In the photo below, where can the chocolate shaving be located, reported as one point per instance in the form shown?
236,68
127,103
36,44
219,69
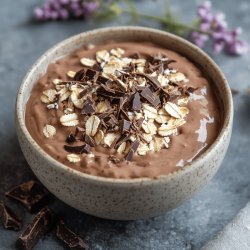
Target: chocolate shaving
88,107
151,97
125,126
85,148
41,224
9,219
69,238
31,195
88,139
136,102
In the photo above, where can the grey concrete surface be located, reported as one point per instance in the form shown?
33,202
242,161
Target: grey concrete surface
188,227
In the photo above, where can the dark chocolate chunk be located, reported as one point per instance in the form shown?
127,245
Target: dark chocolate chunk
129,155
41,224
79,76
88,107
122,139
150,96
153,81
31,194
108,92
111,121
71,138
90,73
9,219
125,126
69,238
124,114
85,148
89,140
136,102
132,150
102,80
135,145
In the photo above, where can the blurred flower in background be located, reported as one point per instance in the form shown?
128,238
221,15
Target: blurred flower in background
210,26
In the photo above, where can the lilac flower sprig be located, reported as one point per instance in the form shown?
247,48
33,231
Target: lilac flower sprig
216,28
209,26
65,9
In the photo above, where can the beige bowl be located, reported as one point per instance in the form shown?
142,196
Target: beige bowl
120,198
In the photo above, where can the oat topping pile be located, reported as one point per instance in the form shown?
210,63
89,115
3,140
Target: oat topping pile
132,104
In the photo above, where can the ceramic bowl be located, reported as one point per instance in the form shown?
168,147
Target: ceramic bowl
123,199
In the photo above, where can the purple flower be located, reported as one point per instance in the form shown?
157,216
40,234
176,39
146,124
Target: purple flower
214,26
64,9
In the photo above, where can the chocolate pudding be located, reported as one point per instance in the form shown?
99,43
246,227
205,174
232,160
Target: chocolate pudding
123,110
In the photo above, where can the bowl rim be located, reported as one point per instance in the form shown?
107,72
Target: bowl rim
228,117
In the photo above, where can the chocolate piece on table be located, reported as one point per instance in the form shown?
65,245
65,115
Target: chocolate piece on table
32,195
136,102
125,126
88,107
85,148
150,96
41,224
69,238
9,219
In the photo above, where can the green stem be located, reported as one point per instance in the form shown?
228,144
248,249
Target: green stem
166,22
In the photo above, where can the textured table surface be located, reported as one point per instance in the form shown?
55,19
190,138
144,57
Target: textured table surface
188,227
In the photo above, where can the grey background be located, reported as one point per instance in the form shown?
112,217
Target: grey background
22,41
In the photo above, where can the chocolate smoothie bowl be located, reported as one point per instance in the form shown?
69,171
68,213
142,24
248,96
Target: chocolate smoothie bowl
124,123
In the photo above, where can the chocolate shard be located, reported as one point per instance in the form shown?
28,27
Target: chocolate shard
79,76
102,80
69,238
89,140
85,148
41,224
31,195
90,73
132,150
88,107
125,126
70,139
108,92
9,219
111,121
136,102
150,96
153,81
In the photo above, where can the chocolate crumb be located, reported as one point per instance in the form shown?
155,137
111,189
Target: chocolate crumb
9,219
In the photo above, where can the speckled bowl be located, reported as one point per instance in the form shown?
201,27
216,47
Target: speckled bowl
122,199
